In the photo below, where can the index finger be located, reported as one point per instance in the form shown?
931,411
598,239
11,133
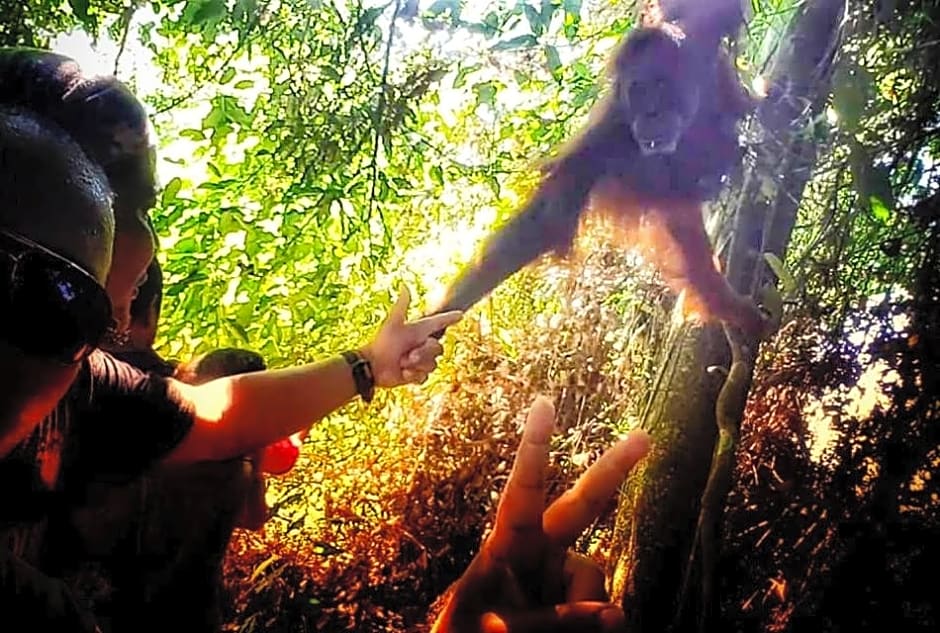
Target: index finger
519,515
426,326
577,508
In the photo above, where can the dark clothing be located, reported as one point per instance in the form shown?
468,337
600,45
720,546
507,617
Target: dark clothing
112,425
147,556
147,360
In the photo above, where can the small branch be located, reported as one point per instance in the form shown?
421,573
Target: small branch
380,110
126,18
220,70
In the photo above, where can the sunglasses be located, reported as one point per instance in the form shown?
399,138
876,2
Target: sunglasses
49,306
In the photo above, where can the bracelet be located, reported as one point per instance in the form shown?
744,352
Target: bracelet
362,375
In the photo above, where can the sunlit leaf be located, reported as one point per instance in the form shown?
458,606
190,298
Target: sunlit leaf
192,134
227,76
437,174
872,182
780,270
879,209
170,191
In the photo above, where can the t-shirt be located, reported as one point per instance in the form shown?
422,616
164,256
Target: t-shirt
146,360
112,425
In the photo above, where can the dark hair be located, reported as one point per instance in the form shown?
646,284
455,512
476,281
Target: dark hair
100,113
228,361
149,295
40,165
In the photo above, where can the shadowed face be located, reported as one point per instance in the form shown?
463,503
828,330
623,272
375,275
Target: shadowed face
133,252
56,232
117,133
658,90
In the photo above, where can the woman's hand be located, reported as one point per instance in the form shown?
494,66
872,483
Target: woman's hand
406,352
525,579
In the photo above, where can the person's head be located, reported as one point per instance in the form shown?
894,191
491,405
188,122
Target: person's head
56,235
112,127
145,309
228,361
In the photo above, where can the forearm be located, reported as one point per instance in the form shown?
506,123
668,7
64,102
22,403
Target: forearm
239,414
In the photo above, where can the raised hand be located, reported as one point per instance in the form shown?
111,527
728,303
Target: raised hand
525,579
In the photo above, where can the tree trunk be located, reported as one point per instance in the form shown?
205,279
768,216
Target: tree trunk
662,527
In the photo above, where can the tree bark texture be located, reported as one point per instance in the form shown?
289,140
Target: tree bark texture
659,529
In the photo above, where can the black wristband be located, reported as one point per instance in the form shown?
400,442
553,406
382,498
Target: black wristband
362,375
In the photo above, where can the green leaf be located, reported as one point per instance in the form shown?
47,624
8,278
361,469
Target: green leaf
239,330
214,119
872,183
522,41
198,12
548,12
879,209
491,21
186,245
439,7
462,73
486,93
80,9
244,84
535,20
780,270
193,134
170,191
368,17
553,60
227,75
572,7
437,174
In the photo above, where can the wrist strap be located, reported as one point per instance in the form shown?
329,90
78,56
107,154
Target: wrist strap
362,375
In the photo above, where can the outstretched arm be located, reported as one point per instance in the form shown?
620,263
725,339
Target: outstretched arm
235,415
547,223
683,222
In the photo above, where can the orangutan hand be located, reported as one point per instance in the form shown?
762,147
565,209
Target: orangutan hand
525,579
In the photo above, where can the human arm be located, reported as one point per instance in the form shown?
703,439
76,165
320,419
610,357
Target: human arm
235,415
128,420
525,579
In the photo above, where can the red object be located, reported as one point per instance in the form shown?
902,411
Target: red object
280,457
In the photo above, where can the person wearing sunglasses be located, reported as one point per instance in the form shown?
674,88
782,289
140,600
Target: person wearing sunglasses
70,414
111,125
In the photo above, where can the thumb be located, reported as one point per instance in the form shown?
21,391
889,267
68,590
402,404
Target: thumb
400,310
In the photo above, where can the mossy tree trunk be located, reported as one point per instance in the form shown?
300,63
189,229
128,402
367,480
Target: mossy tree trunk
661,520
